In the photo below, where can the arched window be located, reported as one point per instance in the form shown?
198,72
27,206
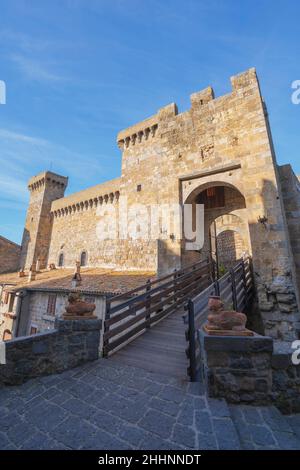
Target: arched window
61,260
83,258
6,335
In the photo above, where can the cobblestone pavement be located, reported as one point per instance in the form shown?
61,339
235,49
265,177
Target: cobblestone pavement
104,405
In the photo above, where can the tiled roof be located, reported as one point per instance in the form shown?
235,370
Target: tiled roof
94,280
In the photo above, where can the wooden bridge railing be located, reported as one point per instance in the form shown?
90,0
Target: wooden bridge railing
129,315
235,289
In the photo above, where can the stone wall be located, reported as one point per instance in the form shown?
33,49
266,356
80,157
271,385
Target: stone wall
237,368
72,343
286,379
291,199
9,256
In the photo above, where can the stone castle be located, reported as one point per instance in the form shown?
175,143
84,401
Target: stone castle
218,153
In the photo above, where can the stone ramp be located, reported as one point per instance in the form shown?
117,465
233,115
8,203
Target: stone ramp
106,405
160,350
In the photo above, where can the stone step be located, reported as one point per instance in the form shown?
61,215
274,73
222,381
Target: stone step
222,424
263,428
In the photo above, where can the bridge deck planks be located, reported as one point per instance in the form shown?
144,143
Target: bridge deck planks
161,349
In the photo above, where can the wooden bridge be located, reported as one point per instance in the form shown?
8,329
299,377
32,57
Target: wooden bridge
146,326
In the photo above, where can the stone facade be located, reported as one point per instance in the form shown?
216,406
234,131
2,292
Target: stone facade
286,379
9,255
176,158
237,368
41,319
73,342
44,189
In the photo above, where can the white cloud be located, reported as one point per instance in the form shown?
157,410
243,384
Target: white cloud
36,70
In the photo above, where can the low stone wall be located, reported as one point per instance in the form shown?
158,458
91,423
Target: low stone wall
70,344
237,368
286,379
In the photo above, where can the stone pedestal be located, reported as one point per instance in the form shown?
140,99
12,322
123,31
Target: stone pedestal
237,368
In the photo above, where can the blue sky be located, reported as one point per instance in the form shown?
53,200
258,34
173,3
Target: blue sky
78,71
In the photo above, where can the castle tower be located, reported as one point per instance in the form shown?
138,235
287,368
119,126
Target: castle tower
44,189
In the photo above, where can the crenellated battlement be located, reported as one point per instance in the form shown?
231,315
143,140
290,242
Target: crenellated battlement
139,133
106,193
145,131
47,178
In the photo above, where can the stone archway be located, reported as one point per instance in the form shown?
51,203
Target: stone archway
225,207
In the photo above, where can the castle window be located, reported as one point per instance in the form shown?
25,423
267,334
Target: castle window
61,260
51,304
11,302
6,297
33,330
7,335
139,188
83,258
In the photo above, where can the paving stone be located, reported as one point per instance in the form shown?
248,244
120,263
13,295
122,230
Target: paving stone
133,435
243,431
167,407
226,434
142,399
172,394
186,415
103,385
65,384
19,433
80,408
9,420
294,423
195,388
158,423
261,435
46,416
106,421
206,441
3,441
50,393
199,403
274,419
51,380
40,441
74,432
251,415
34,392
98,400
103,441
155,443
286,440
184,435
153,388
203,422
98,407
60,398
218,408
132,413
81,390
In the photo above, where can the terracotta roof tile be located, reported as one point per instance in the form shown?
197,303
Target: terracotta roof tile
95,280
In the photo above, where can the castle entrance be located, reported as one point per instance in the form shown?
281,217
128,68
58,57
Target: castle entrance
225,225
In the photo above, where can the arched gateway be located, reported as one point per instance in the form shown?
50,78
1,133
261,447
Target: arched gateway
226,227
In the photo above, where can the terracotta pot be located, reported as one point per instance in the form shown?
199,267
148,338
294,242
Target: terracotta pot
80,308
215,303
